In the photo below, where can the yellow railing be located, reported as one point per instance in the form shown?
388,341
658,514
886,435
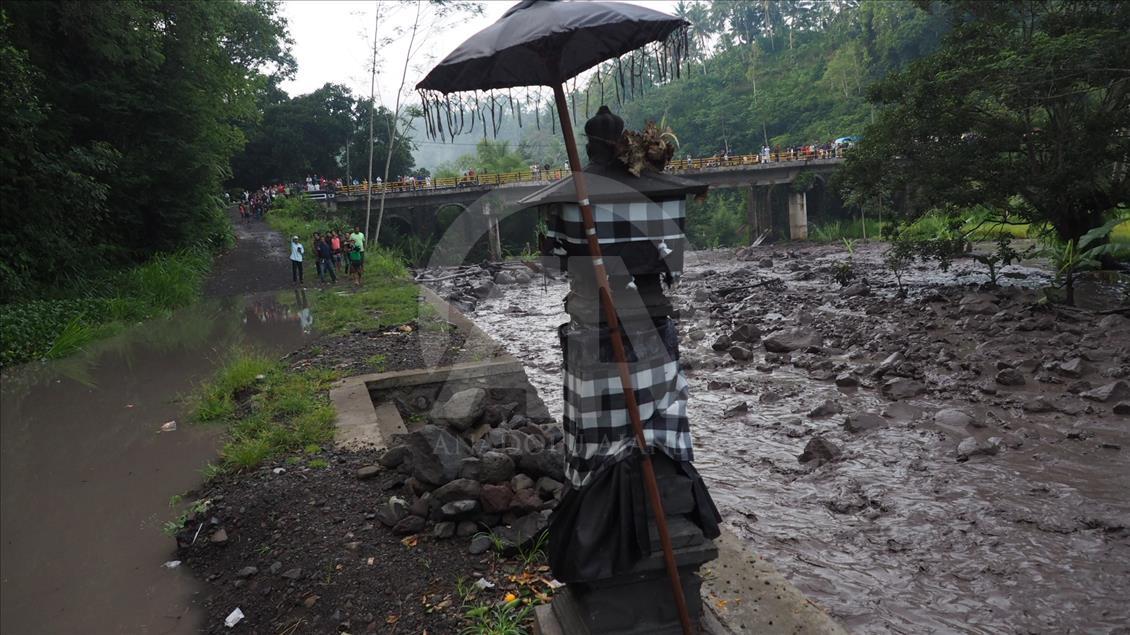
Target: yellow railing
680,165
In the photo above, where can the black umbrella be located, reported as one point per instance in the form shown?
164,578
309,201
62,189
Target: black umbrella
545,43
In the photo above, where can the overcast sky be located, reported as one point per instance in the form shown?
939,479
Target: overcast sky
332,42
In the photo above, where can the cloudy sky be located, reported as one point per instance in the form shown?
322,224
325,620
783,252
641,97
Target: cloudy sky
333,39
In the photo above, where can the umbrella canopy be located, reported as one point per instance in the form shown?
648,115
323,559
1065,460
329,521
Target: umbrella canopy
545,42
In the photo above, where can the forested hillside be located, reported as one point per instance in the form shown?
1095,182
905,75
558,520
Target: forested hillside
117,125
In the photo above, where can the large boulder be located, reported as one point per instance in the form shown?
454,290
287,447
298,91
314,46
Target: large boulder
462,409
819,451
793,339
897,389
459,489
495,467
437,455
1114,391
863,421
496,499
549,463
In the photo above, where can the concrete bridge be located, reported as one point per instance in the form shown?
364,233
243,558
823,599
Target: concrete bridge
417,206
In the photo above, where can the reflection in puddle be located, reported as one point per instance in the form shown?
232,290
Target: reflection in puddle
87,475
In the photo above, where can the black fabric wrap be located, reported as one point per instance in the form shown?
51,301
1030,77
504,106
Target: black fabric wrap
601,530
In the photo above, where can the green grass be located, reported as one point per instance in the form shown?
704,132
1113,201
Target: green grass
284,413
1121,233
107,302
835,231
376,362
387,296
507,618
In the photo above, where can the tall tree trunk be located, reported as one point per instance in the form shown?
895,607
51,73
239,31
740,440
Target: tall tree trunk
394,122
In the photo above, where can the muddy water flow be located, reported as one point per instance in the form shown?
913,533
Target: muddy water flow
88,475
897,536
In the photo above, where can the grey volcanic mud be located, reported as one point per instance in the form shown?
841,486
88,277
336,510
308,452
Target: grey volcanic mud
1011,515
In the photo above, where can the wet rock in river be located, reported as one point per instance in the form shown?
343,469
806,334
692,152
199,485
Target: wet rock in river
970,446
736,409
723,343
1073,367
746,333
855,289
1114,391
1122,408
486,290
863,421
819,451
1010,377
953,417
897,389
740,353
846,380
793,339
1038,405
503,277
828,408
462,409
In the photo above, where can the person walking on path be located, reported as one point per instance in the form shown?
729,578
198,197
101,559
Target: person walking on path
325,260
296,252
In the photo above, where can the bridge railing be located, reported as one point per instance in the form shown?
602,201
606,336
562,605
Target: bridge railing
546,176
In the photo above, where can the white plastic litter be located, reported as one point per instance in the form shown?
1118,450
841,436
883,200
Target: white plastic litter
279,470
483,583
168,426
233,618
171,564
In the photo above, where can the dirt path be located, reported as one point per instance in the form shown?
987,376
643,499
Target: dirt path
257,263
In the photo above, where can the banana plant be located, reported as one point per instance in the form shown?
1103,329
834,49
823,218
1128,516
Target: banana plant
1085,254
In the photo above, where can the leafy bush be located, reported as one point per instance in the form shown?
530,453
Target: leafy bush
100,305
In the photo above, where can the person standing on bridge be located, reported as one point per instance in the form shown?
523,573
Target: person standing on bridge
296,252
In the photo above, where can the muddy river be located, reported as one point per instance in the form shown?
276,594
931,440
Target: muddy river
898,536
88,473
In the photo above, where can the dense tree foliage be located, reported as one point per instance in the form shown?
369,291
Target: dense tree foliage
119,120
1025,109
325,132
780,73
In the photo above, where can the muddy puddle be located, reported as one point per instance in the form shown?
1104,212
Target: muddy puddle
87,473
898,535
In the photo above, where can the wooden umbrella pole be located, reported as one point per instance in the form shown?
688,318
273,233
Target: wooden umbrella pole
650,482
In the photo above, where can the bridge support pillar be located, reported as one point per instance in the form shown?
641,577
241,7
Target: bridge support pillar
798,215
759,218
494,240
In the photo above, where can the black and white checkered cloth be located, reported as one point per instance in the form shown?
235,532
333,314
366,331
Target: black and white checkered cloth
598,432
622,222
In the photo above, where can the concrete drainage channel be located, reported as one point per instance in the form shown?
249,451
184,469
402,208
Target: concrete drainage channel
741,593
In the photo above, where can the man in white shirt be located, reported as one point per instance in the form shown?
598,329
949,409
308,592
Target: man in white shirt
296,252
